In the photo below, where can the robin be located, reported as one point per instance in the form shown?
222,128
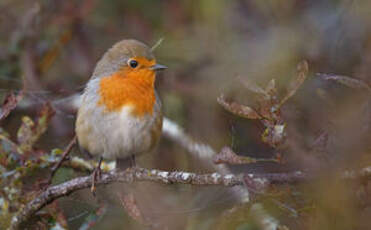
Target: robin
120,115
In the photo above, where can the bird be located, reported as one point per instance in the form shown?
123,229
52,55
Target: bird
120,115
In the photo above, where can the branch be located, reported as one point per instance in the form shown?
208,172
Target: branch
128,176
257,182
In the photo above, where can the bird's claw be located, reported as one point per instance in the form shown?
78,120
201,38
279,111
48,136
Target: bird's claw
97,173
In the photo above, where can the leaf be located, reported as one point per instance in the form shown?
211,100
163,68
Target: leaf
24,134
347,81
302,72
227,155
253,87
30,131
238,109
270,89
9,104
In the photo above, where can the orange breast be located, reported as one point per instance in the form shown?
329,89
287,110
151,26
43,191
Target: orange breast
124,88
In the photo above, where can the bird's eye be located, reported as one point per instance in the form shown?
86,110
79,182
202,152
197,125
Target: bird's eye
133,63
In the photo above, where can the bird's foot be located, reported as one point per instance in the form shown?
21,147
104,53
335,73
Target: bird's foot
97,173
123,164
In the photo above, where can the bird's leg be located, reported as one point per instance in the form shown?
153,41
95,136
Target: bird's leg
96,175
133,163
125,163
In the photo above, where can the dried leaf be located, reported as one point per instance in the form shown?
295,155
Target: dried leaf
347,81
9,104
302,72
227,155
253,87
30,131
238,109
24,134
270,89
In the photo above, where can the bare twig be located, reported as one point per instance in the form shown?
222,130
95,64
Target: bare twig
63,158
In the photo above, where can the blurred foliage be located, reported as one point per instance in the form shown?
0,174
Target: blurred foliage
48,50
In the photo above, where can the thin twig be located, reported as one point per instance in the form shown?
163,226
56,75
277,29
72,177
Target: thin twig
63,158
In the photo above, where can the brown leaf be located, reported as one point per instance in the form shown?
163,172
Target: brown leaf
10,102
238,109
302,72
253,87
270,89
347,81
227,155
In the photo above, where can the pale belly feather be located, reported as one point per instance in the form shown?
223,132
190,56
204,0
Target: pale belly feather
115,134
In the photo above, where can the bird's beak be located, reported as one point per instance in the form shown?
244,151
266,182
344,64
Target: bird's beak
158,67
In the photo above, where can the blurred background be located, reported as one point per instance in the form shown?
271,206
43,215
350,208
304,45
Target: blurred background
50,48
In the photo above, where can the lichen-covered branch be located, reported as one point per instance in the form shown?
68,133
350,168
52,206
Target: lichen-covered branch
256,181
128,176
